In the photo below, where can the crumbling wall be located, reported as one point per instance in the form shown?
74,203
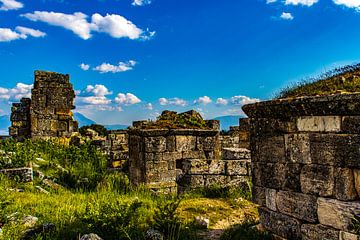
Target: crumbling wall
119,150
238,136
20,119
306,166
24,174
48,113
167,160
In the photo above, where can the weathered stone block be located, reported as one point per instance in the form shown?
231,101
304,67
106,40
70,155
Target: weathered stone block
298,205
280,224
170,143
351,124
357,180
345,184
185,143
235,153
292,177
268,175
195,166
216,180
196,154
348,236
236,167
318,232
155,144
270,197
318,180
319,124
337,214
167,156
259,196
191,181
269,149
216,166
298,148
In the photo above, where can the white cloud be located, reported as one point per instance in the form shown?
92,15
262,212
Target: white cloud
14,94
94,95
10,5
7,35
348,3
270,1
203,100
121,67
141,2
222,101
127,99
24,32
84,66
287,16
242,100
308,3
149,106
172,101
112,24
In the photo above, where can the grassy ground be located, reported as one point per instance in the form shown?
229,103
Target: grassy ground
340,80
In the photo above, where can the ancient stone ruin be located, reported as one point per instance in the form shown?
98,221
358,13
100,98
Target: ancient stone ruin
48,113
306,166
169,160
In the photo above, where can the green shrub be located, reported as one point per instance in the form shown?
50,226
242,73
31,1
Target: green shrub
100,129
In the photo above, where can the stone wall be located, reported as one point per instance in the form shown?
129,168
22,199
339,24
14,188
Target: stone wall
119,148
19,174
48,113
306,166
170,160
238,136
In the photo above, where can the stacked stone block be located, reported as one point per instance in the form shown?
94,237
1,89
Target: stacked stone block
20,118
48,113
171,160
238,136
119,150
306,166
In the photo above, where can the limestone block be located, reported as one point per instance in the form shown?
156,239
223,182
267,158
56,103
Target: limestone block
191,181
195,166
196,154
269,149
345,184
155,144
271,126
207,143
216,167
270,175
280,224
236,167
270,198
319,124
168,156
216,180
298,148
154,157
292,177
351,124
357,180
318,232
259,196
337,214
235,153
170,143
348,236
185,143
318,180
298,205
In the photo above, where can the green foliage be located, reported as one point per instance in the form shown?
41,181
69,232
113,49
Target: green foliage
100,129
345,79
245,231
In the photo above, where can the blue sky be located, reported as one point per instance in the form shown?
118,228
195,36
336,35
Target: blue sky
131,59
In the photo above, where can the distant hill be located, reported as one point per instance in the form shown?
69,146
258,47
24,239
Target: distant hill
227,121
82,120
4,124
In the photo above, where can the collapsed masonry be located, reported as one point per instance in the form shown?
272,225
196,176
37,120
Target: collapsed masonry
168,160
306,166
48,113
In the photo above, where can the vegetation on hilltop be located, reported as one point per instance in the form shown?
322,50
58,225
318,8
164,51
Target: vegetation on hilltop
340,80
173,120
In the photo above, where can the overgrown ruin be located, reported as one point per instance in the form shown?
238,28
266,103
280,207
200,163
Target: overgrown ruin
49,111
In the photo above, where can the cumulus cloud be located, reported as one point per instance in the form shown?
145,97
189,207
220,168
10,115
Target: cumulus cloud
112,24
84,66
127,99
172,101
308,3
242,100
270,1
94,95
286,16
7,35
348,3
149,106
222,101
141,2
121,67
203,100
15,94
10,5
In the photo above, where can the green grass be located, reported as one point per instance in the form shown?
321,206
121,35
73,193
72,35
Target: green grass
339,80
